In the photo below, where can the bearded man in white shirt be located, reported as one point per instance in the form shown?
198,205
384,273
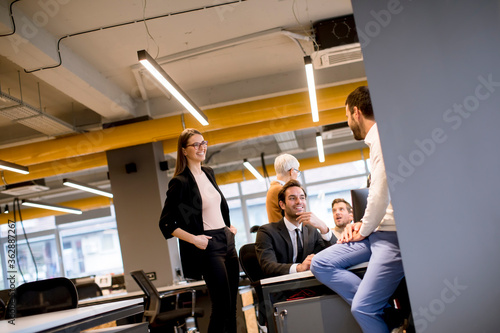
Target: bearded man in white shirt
374,239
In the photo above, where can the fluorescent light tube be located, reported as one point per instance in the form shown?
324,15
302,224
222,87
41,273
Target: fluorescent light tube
319,144
252,170
43,205
312,88
85,187
155,69
14,167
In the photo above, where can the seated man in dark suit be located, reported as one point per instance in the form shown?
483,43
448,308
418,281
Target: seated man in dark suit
280,248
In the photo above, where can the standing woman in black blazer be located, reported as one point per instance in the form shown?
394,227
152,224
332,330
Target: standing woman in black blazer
196,212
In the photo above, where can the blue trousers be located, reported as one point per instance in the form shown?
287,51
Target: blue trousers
368,296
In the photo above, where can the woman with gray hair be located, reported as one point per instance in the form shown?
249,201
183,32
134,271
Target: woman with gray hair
286,167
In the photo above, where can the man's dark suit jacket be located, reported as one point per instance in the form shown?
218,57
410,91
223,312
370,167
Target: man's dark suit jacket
274,247
183,209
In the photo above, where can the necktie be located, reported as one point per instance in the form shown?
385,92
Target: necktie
300,248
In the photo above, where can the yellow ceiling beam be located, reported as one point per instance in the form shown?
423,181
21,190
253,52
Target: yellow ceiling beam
90,203
59,167
227,135
264,128
305,164
169,127
96,202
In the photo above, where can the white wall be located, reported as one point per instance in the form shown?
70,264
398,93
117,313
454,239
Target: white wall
433,68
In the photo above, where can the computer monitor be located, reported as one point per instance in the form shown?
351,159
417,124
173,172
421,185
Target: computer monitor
358,200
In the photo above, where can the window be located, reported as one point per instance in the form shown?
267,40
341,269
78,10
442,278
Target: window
334,172
237,220
72,250
253,186
44,252
320,196
36,259
91,247
230,190
31,226
257,214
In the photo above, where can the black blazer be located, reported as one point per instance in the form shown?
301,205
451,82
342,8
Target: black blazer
275,250
183,209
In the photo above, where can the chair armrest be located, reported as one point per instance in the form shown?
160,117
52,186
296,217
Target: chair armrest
177,293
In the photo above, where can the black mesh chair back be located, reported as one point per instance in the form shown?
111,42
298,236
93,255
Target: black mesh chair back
358,198
43,296
88,290
152,304
250,263
152,301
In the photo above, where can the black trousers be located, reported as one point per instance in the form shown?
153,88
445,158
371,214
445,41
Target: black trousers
220,270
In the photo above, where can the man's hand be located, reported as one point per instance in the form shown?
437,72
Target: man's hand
233,229
306,264
351,233
311,219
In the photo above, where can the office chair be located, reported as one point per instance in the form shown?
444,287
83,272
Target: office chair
250,264
175,318
43,296
88,290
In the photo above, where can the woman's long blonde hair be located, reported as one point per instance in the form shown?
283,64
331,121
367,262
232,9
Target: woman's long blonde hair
181,163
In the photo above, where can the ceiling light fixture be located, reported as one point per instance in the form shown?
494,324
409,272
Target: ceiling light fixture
14,167
155,69
254,171
312,88
87,188
321,150
48,206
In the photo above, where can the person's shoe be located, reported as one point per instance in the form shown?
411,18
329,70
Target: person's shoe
393,318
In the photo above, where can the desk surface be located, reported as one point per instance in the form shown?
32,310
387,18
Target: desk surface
301,275
79,318
136,294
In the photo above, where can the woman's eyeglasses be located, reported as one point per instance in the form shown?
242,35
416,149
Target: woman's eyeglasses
197,145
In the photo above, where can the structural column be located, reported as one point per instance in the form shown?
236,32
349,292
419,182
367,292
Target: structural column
139,188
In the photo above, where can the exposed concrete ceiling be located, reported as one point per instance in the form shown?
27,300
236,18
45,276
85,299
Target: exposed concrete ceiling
224,55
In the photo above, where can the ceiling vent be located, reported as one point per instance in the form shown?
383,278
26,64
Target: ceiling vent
336,56
337,42
336,131
287,141
24,188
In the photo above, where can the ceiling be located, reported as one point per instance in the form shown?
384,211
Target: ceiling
239,61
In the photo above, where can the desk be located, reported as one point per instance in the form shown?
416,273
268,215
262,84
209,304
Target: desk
74,320
277,284
136,294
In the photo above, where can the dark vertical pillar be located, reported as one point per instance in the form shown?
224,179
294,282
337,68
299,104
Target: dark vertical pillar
139,188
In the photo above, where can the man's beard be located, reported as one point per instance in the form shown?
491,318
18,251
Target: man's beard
356,131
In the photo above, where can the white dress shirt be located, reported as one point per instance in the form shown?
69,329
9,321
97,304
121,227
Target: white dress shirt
379,214
293,236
